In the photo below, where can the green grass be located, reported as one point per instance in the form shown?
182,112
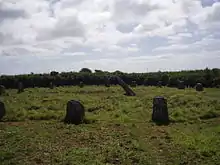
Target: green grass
120,131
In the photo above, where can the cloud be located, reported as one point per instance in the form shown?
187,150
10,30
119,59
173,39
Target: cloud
8,12
68,26
128,35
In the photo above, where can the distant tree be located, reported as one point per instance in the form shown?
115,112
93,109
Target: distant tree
54,73
208,77
216,82
151,80
98,71
165,79
87,70
216,72
117,72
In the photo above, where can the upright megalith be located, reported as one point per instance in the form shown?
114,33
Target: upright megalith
199,87
160,110
159,84
133,84
129,91
81,85
75,112
2,110
107,82
20,87
2,90
107,85
51,85
181,85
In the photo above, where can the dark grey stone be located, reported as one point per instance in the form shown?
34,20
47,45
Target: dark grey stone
2,110
81,85
75,112
159,84
20,87
199,87
2,89
129,91
160,110
51,85
107,82
181,85
133,84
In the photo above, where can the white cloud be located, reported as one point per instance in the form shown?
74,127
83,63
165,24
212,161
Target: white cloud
118,34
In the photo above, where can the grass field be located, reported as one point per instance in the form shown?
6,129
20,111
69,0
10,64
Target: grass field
119,130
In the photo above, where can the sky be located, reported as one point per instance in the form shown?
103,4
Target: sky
128,35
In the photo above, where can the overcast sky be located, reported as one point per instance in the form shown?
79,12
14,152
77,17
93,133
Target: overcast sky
127,35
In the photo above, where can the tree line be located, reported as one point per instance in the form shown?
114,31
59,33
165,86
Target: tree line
208,77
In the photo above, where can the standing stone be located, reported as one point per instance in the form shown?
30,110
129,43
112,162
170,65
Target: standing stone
160,110
51,85
107,82
75,113
159,84
2,110
2,90
133,84
181,85
129,91
199,87
20,87
81,85
107,85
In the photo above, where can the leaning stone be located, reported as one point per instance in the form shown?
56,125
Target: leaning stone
181,85
199,87
20,87
129,91
160,110
75,112
2,110
2,89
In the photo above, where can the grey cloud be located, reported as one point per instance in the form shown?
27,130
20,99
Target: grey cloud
65,27
135,7
10,13
15,51
7,39
206,3
128,9
214,16
126,28
70,3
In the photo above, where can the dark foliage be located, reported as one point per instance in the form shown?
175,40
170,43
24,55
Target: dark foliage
207,77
